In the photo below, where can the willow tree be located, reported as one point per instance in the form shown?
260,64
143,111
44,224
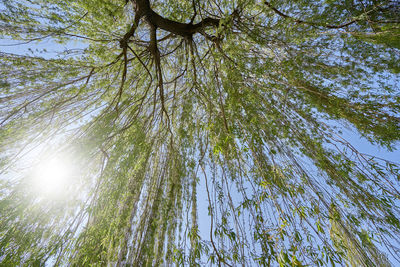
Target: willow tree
162,105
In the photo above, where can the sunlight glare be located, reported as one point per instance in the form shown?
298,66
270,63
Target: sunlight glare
52,176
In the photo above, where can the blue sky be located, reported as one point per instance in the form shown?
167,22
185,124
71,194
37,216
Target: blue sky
360,143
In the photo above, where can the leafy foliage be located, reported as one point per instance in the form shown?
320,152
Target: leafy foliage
164,103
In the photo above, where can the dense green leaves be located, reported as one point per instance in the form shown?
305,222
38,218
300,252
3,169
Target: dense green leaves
201,132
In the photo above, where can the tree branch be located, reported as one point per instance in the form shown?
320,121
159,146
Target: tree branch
123,43
309,22
183,29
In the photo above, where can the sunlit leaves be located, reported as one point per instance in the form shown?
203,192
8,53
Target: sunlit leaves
248,118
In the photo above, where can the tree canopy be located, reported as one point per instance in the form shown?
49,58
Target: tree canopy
160,104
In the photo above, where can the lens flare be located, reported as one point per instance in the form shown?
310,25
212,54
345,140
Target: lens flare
51,176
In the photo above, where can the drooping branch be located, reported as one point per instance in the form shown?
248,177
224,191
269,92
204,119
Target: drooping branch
155,21
329,26
124,41
156,54
309,22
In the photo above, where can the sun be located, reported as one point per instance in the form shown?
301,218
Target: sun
52,176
